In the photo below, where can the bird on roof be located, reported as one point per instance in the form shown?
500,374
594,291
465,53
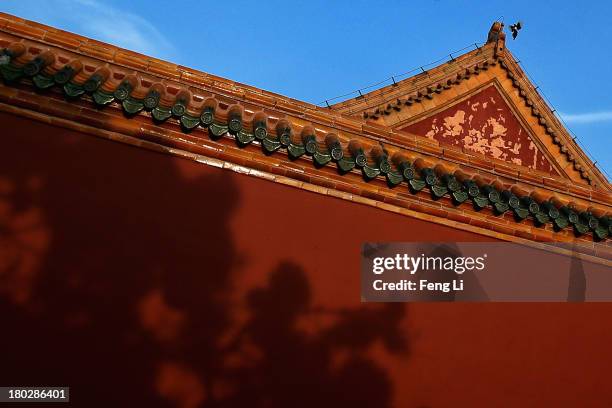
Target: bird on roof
515,28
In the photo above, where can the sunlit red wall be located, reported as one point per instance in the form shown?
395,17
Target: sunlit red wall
140,279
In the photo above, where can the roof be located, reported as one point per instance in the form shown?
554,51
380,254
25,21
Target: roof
407,99
64,79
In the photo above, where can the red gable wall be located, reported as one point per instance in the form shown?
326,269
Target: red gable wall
138,278
485,124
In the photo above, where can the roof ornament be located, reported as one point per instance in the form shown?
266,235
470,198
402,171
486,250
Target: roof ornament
497,36
496,33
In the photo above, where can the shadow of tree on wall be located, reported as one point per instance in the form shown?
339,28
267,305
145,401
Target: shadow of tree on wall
298,370
116,279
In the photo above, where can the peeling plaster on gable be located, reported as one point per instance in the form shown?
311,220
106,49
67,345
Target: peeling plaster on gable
454,124
489,128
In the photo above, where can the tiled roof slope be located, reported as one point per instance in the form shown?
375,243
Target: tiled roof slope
429,90
170,108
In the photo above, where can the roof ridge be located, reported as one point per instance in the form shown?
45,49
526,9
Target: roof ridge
551,124
112,54
420,81
494,45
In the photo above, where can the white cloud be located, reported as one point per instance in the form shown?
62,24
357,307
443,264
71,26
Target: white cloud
97,20
589,117
121,28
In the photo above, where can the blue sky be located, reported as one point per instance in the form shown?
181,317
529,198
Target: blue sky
316,50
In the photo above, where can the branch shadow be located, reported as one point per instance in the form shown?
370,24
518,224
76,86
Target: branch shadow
116,279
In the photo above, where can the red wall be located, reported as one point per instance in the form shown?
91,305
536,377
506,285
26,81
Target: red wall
140,279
